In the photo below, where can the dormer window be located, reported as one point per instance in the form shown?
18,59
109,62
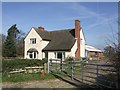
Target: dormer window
32,40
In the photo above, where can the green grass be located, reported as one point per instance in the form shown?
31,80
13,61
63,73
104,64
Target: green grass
94,61
25,77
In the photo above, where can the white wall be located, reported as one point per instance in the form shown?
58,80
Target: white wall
72,52
82,44
40,44
51,55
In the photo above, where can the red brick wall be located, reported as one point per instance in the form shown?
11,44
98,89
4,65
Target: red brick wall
97,54
77,36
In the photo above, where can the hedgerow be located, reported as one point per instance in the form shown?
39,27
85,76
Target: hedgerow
8,65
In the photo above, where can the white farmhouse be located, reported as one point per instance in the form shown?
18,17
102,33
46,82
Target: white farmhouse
58,44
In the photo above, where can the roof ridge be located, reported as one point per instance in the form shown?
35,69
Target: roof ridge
62,30
55,30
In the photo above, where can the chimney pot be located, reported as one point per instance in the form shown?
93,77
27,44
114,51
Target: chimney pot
41,28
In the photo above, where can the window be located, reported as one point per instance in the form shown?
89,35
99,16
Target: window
64,55
55,55
32,40
32,55
60,55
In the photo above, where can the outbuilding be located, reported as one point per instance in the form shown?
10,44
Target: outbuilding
93,53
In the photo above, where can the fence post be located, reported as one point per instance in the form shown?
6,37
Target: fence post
118,79
48,65
72,70
61,65
82,71
45,67
97,70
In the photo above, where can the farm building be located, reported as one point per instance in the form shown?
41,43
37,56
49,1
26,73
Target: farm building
93,53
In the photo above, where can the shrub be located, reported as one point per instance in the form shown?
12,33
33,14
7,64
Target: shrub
70,59
44,60
8,65
84,58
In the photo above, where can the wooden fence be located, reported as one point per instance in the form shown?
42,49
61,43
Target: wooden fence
94,75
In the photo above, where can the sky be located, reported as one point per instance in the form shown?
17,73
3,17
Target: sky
98,19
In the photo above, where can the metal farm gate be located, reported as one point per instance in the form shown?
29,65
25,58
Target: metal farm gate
92,75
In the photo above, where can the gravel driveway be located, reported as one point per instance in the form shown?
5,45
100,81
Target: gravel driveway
56,83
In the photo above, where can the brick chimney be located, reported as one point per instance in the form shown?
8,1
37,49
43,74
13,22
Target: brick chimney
41,28
77,36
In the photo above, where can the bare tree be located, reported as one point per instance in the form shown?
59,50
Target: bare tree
112,51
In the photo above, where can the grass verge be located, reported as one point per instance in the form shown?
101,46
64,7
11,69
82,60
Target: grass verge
20,77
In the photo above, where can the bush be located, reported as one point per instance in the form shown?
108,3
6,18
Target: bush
8,65
69,59
44,60
84,58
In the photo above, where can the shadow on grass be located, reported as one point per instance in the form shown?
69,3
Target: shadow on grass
79,85
107,81
83,86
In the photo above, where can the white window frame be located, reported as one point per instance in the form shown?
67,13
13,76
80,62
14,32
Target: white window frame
33,56
63,55
32,40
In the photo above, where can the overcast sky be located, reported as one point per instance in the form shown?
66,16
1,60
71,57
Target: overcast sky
98,19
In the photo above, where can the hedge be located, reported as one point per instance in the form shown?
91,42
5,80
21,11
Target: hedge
8,65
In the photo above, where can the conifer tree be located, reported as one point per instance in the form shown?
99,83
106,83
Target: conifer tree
10,43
